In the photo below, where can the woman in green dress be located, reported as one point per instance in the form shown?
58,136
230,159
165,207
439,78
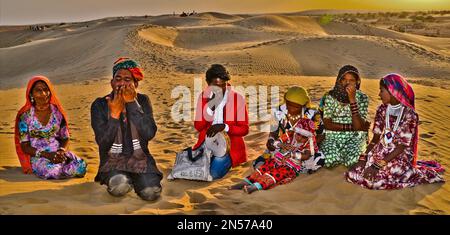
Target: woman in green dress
345,110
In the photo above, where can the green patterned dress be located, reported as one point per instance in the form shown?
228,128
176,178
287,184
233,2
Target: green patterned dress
341,147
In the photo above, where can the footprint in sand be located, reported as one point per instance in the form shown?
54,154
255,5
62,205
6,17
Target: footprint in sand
163,161
196,197
173,126
426,135
424,122
84,149
173,140
214,191
169,205
171,192
429,142
167,151
207,206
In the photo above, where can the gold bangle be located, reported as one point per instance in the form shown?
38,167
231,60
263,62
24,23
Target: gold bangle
381,163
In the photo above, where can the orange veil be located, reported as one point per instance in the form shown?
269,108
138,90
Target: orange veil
23,157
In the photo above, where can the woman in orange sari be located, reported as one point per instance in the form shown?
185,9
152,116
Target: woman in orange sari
42,135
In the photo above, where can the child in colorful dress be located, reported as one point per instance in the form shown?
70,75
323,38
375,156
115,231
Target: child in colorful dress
294,151
297,105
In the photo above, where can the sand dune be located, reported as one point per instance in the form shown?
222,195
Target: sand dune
162,36
313,55
260,50
206,38
442,45
66,55
239,42
219,15
298,24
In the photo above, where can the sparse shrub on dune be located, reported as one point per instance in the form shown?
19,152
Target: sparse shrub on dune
326,19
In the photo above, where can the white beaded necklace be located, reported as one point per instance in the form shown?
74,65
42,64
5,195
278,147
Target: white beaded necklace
296,117
394,110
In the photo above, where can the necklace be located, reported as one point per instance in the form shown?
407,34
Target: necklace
296,117
42,108
289,122
397,111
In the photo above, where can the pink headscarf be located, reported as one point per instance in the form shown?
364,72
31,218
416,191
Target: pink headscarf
403,92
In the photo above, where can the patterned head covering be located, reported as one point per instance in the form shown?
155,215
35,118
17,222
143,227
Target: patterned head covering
339,92
297,95
399,88
24,158
130,65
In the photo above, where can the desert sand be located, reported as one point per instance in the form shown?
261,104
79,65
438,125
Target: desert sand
259,50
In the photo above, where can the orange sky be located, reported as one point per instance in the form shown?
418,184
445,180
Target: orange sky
36,11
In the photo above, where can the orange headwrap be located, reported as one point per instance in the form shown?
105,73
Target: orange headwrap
23,157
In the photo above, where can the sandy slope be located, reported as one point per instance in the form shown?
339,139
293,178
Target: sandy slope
264,50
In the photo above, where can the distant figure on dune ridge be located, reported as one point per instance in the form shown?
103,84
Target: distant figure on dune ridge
221,109
292,148
345,110
390,161
184,14
123,124
42,135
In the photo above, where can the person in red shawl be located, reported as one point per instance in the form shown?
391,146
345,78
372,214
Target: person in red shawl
41,135
390,161
220,108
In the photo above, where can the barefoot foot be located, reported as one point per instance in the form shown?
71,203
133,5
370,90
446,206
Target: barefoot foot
250,188
238,186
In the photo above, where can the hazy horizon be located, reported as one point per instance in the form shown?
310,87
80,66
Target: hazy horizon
24,12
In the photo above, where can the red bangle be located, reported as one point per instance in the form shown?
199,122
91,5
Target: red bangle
363,157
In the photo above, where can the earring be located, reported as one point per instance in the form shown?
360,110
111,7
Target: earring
32,99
